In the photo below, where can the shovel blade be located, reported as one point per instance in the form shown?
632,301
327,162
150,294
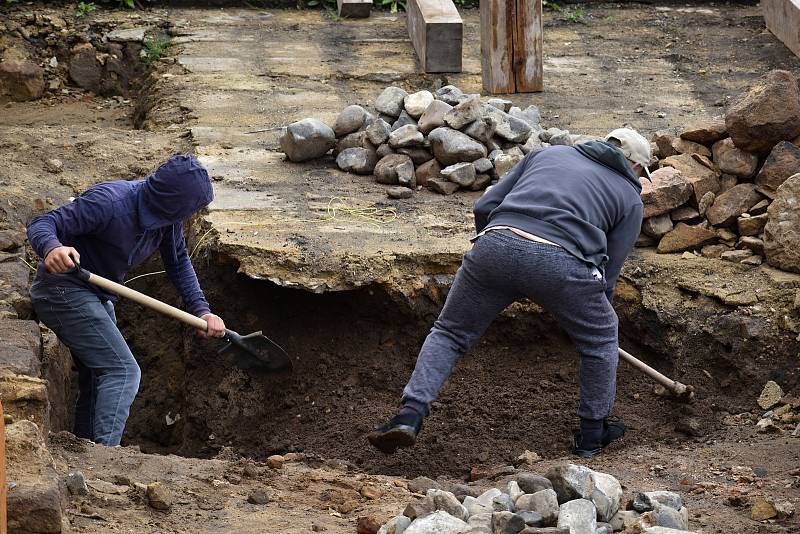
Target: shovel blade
256,353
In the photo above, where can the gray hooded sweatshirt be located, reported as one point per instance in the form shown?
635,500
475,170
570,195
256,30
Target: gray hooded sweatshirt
584,198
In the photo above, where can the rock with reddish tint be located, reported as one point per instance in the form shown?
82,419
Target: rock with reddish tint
760,208
782,232
258,497
766,114
159,496
386,169
751,225
12,240
21,80
726,181
782,162
732,160
706,131
451,146
684,237
685,214
714,251
663,140
736,256
433,116
657,226
84,67
728,206
367,525
700,177
442,186
683,146
753,244
275,461
427,171
666,190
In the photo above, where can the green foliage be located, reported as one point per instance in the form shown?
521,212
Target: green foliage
466,3
155,47
393,5
574,15
11,2
325,4
550,4
84,8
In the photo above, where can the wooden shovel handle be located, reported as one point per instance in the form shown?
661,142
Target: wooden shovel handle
141,298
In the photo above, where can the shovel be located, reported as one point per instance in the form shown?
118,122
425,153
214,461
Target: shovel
681,392
253,352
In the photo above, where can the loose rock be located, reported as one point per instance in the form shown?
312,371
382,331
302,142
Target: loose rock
76,483
451,146
766,114
390,101
433,116
732,160
357,160
416,103
782,162
482,129
396,525
657,226
684,237
306,139
579,515
507,127
533,483
782,232
258,497
504,163
729,205
464,113
378,132
544,502
770,395
158,496
507,523
683,146
386,173
706,131
451,95
403,120
606,495
398,192
750,226
21,80
462,174
54,165
350,120
666,190
405,136
427,171
438,522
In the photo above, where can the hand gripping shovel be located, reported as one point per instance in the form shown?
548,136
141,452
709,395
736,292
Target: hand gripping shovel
253,352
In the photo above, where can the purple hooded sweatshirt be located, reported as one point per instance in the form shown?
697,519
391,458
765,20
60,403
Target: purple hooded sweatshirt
116,226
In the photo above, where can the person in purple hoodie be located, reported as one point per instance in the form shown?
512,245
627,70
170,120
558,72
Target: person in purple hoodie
110,229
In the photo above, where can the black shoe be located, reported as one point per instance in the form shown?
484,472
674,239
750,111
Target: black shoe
612,431
400,432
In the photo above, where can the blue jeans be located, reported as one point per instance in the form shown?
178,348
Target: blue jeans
501,268
108,375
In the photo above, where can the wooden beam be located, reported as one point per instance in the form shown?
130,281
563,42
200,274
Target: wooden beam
511,46
354,9
497,45
436,31
783,20
528,69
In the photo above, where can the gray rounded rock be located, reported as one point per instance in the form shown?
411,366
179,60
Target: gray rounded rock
451,146
386,173
417,103
399,192
357,160
390,101
306,139
349,120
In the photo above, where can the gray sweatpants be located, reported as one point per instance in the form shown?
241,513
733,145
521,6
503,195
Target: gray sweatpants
501,268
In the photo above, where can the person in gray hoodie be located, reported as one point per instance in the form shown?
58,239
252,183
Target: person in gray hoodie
556,229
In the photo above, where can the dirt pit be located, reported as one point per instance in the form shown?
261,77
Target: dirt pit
516,391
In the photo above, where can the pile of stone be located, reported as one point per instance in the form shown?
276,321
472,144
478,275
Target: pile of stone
569,499
729,187
445,141
783,413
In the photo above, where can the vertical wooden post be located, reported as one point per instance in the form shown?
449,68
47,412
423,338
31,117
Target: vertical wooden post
511,46
528,70
497,45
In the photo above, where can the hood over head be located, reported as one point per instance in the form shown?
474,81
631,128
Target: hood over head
176,190
610,156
